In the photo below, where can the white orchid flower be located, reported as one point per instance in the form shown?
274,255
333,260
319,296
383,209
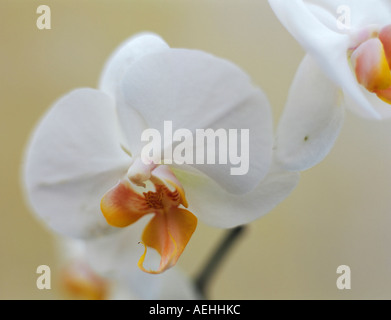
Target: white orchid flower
84,157
77,279
101,269
348,45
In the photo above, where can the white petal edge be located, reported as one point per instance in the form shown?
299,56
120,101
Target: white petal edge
73,158
311,120
215,207
195,90
126,54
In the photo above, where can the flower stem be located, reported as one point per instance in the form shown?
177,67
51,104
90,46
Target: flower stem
209,270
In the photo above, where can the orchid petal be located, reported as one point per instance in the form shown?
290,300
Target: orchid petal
385,38
196,90
126,54
168,234
328,47
385,95
214,206
311,121
81,282
116,251
361,13
177,286
115,256
73,158
382,106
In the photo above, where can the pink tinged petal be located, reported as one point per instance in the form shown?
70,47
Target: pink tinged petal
195,90
168,233
362,35
73,158
385,95
311,121
385,38
371,66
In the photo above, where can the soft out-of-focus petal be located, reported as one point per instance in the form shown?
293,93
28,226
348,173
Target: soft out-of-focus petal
195,90
80,282
177,286
385,95
214,206
311,121
383,108
73,158
77,278
117,251
328,47
385,38
115,256
126,54
370,64
168,234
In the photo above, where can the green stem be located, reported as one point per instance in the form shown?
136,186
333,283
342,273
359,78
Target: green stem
203,279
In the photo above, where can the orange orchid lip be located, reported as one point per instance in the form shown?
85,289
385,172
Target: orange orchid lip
171,228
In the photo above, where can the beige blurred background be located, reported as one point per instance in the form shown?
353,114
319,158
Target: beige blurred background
339,213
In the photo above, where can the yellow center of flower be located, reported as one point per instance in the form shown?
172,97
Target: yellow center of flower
154,199
169,231
371,61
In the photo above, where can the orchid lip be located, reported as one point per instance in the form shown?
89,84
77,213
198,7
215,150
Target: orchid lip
171,227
